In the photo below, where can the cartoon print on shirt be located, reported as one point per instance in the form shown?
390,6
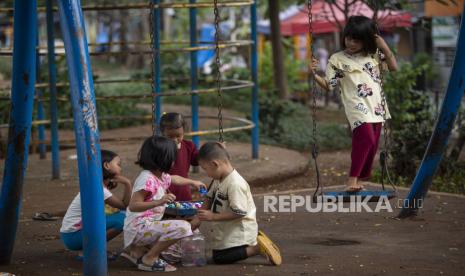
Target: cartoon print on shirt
357,123
361,107
370,69
363,90
217,201
379,110
339,74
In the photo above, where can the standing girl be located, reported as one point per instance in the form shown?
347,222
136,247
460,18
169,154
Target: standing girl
355,70
71,229
172,126
144,226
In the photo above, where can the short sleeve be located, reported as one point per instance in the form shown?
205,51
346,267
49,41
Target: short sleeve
166,178
194,156
238,199
333,74
106,193
146,183
381,59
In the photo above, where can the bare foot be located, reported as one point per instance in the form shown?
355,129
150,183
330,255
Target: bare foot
352,185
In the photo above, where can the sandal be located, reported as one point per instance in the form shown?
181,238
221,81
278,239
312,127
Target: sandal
158,266
44,216
269,249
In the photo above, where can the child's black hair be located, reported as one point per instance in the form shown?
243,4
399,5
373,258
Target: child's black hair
213,151
364,29
172,120
107,156
157,154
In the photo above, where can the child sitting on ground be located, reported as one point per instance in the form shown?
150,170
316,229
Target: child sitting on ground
70,231
144,226
230,206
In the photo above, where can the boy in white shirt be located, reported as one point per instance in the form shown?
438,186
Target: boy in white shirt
230,206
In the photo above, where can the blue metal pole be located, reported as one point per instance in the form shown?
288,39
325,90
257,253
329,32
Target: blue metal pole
254,65
40,106
194,75
23,81
440,137
157,62
87,136
53,92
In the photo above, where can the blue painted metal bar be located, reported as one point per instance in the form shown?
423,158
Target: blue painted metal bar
254,69
87,136
40,107
53,92
23,80
440,137
157,63
194,72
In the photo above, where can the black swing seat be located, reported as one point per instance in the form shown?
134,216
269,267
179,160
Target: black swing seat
374,195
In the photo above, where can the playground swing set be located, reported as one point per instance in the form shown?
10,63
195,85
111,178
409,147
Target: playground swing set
87,137
83,101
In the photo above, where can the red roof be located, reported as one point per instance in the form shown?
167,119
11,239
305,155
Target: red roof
324,19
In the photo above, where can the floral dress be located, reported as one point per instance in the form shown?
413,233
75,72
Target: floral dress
146,228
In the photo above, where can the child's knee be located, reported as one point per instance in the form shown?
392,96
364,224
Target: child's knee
116,221
179,229
72,241
184,228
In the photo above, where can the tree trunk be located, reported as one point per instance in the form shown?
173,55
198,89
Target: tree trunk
278,55
140,33
111,30
123,32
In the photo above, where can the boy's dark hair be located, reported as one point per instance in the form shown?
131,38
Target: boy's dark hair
107,156
157,153
213,151
364,29
172,120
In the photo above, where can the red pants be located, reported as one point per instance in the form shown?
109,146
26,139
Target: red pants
365,139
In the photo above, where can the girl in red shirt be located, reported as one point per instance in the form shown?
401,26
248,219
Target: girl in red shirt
172,126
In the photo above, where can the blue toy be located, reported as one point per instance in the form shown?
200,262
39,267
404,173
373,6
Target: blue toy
203,191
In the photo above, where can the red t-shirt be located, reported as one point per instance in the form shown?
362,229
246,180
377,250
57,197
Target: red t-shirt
187,156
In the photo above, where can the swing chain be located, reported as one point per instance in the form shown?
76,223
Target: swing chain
384,154
312,85
152,65
315,141
218,72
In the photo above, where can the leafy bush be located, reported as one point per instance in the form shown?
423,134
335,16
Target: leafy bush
293,71
289,124
412,120
5,68
411,128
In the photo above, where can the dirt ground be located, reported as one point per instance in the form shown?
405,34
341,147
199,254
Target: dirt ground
311,243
